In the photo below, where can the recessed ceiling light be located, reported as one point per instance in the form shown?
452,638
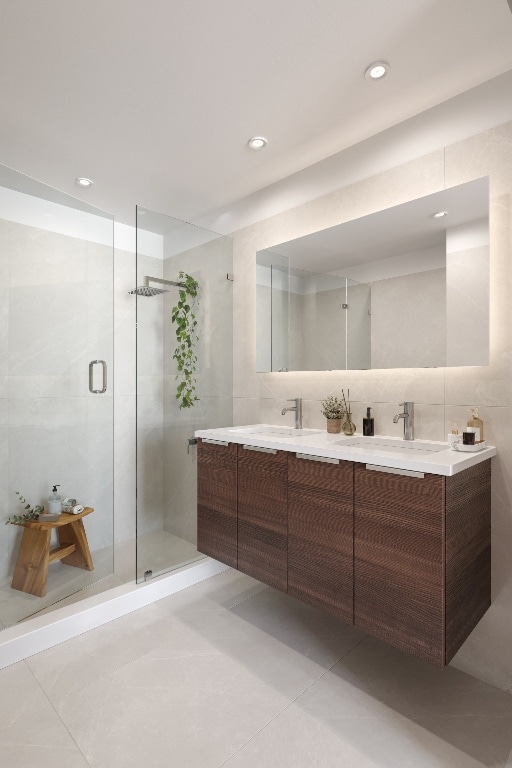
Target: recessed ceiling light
439,214
257,142
377,70
83,182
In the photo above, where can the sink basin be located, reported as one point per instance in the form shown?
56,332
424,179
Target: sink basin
271,431
391,445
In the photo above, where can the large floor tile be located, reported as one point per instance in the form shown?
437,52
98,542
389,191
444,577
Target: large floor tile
33,756
21,695
286,669
191,706
77,662
294,740
401,712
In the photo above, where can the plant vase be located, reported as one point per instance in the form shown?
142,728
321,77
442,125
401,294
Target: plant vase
348,425
334,425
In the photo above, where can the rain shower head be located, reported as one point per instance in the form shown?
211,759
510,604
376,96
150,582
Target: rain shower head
148,290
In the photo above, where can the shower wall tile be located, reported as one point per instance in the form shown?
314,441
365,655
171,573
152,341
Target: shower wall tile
43,258
99,263
4,330
100,321
4,253
124,467
43,338
124,323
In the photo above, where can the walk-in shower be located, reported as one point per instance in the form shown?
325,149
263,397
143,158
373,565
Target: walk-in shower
60,299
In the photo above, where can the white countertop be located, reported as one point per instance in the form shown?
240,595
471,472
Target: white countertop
416,455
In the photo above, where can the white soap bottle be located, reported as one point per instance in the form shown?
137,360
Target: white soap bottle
55,502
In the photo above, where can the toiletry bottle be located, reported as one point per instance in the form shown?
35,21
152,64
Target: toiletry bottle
476,423
55,502
454,436
368,428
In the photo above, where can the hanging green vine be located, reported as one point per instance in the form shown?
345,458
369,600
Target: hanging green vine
183,315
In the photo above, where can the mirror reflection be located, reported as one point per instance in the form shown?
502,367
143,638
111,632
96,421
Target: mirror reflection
400,288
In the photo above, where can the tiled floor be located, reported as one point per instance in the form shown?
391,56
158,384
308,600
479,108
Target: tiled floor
231,673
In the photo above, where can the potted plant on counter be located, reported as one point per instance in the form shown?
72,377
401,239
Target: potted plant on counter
334,411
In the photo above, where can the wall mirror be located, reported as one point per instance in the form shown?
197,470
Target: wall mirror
400,288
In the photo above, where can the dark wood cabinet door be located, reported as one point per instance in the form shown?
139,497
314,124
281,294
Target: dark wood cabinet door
217,532
468,552
399,560
262,515
321,534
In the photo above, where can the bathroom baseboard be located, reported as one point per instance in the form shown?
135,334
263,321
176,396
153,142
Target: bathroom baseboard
42,632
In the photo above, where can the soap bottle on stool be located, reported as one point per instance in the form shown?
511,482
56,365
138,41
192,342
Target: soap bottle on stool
55,502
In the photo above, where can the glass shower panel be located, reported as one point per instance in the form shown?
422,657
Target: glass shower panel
56,301
166,454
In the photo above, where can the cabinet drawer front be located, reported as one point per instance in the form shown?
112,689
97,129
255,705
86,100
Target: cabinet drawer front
262,489
217,536
217,528
263,516
262,554
217,477
320,535
399,560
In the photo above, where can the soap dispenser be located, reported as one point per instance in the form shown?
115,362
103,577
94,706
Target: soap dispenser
55,502
368,424
476,425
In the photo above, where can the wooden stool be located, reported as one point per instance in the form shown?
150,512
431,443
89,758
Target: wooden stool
31,571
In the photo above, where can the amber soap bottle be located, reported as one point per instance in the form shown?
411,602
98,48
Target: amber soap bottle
476,423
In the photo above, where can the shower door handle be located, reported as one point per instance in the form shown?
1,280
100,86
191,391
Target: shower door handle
91,374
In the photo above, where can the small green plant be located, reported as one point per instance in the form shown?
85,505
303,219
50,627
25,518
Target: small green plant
333,408
183,315
31,513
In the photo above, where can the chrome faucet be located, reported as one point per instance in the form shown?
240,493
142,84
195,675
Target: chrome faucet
408,417
298,411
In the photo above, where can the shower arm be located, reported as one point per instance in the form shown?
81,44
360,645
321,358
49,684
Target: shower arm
148,279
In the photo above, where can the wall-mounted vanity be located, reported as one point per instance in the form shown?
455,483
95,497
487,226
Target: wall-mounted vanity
392,538
395,289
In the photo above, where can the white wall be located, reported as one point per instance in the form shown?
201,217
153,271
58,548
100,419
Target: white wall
440,394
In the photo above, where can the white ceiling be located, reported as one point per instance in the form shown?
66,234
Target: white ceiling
155,99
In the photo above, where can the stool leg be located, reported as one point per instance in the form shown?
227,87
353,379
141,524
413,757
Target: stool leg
31,571
74,533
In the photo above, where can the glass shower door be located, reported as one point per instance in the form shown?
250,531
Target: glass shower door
167,251
56,343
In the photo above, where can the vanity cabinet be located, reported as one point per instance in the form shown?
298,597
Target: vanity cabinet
217,503
321,533
421,558
403,556
263,515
